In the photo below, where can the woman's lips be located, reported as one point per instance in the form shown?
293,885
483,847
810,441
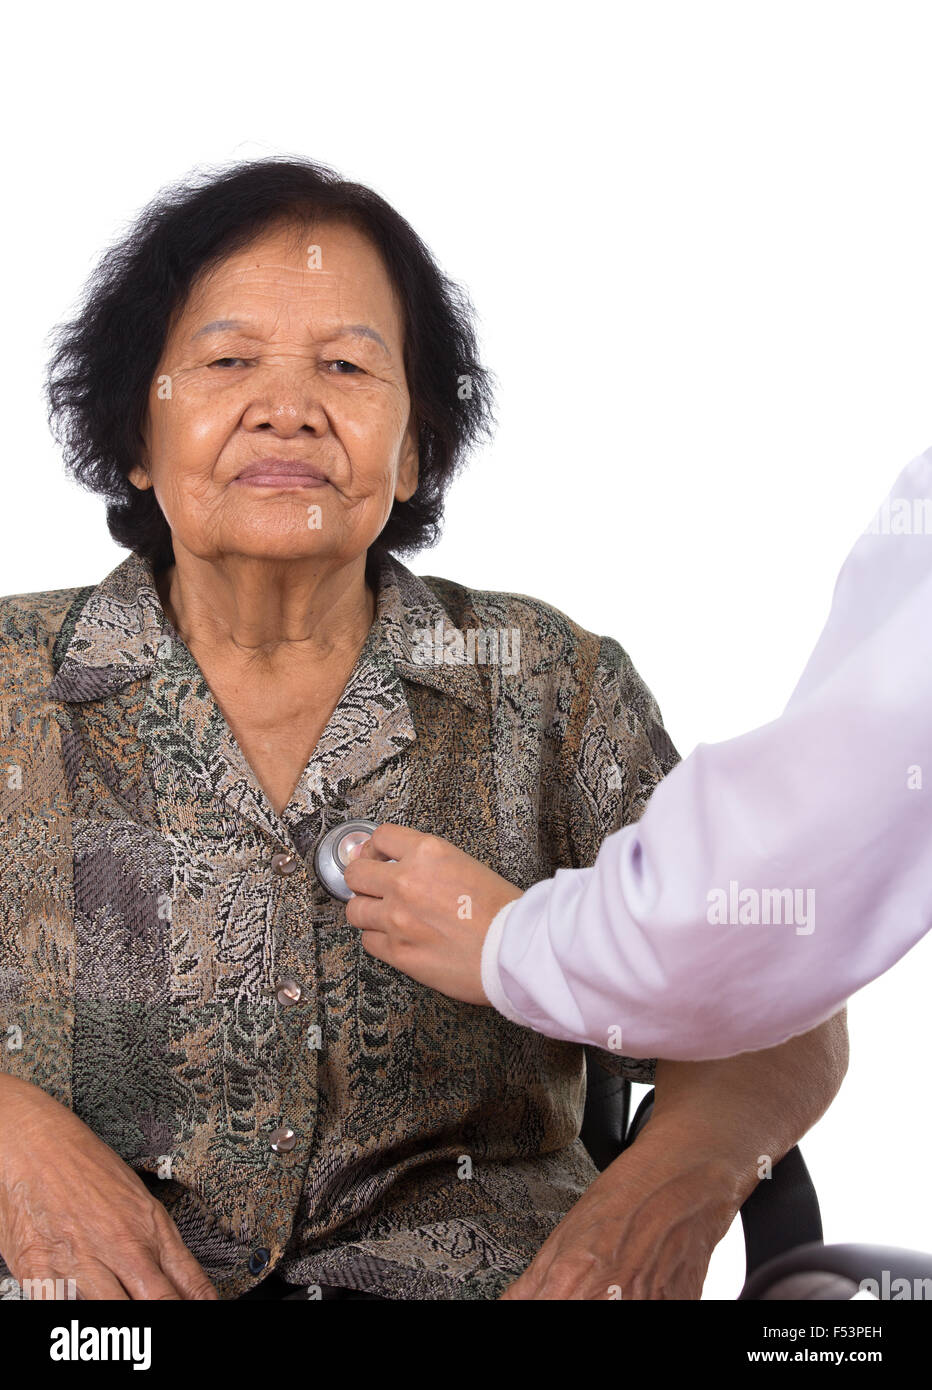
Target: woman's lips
281,480
282,473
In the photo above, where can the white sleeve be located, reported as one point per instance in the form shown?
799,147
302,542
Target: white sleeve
491,980
773,875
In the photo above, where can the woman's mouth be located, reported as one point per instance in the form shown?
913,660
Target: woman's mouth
282,480
281,473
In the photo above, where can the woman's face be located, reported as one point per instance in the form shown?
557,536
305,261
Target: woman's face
283,353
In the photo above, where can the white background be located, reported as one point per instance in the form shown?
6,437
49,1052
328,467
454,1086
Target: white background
698,239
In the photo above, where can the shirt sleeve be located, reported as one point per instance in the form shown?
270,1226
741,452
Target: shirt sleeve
771,876
623,753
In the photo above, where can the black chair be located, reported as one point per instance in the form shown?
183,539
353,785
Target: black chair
785,1255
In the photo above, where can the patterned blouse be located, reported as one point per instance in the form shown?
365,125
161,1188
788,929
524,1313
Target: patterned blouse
173,972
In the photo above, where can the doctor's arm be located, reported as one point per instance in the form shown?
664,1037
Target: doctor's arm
821,815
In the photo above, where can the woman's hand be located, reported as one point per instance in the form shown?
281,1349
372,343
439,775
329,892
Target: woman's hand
70,1208
645,1229
428,912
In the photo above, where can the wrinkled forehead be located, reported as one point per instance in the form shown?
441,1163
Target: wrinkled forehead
300,273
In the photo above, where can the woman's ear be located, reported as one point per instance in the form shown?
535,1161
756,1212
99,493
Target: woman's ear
139,475
406,482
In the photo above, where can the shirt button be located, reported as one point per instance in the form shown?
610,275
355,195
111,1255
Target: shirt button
258,1260
287,991
285,863
282,1140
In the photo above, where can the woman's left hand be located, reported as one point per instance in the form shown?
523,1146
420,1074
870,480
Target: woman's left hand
641,1231
424,907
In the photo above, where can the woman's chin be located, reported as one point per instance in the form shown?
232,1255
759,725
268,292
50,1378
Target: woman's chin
273,545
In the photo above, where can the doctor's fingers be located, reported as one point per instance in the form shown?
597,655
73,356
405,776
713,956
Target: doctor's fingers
368,915
413,880
373,877
393,840
397,922
375,932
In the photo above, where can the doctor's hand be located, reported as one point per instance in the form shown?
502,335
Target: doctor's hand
424,907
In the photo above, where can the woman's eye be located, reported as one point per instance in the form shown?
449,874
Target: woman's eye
345,367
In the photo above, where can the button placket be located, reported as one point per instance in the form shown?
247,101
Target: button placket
287,990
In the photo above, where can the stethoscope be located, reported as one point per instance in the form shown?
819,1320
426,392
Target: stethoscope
331,857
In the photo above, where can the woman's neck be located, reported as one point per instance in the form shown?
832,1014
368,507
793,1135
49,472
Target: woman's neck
267,613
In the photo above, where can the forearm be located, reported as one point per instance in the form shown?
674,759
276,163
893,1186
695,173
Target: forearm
731,1112
14,1087
650,1222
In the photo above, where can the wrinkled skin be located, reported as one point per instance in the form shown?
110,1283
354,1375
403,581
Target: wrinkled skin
70,1208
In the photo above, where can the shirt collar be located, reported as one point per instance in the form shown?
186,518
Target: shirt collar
117,632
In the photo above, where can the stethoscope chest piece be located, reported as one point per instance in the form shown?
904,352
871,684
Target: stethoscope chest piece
331,857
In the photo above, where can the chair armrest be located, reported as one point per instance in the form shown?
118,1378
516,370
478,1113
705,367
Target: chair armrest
817,1271
605,1118
781,1213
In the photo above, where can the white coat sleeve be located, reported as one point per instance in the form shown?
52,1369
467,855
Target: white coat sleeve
770,876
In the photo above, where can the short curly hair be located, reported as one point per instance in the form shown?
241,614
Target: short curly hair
104,359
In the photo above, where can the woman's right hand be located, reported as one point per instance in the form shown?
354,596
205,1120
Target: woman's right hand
70,1208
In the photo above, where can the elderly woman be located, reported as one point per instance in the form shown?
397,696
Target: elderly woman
209,1087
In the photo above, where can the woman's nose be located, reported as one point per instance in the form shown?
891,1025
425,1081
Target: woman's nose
286,400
